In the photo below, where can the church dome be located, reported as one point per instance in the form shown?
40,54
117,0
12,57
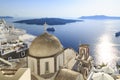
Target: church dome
45,45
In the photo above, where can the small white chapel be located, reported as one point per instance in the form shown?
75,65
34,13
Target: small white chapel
48,60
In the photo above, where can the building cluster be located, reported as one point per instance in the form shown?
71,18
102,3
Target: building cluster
47,59
10,42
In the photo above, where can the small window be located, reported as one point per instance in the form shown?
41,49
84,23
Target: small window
9,58
23,54
46,67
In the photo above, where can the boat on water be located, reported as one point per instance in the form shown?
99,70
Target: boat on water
51,29
14,42
117,34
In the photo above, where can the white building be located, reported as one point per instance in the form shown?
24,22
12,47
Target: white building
47,56
47,59
11,74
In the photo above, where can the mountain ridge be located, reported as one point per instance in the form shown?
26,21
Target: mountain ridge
49,21
99,17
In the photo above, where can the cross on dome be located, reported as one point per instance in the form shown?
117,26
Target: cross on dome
45,27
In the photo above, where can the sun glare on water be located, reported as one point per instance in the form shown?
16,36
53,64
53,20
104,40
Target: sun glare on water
105,52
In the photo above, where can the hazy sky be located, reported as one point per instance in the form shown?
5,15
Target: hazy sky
59,8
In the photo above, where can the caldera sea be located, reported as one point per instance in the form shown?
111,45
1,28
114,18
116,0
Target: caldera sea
99,34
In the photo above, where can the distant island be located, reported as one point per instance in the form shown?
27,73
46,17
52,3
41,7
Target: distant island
99,17
6,17
117,34
51,29
49,21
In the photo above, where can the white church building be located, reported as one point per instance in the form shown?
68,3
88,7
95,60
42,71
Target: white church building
48,60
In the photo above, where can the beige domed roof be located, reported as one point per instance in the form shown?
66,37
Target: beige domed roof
45,45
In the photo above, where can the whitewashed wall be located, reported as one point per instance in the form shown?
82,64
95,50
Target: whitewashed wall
71,63
26,75
80,77
59,61
69,54
21,74
32,64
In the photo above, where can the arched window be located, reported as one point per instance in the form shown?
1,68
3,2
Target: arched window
46,67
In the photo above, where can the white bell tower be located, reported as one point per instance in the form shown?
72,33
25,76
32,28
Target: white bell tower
84,51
